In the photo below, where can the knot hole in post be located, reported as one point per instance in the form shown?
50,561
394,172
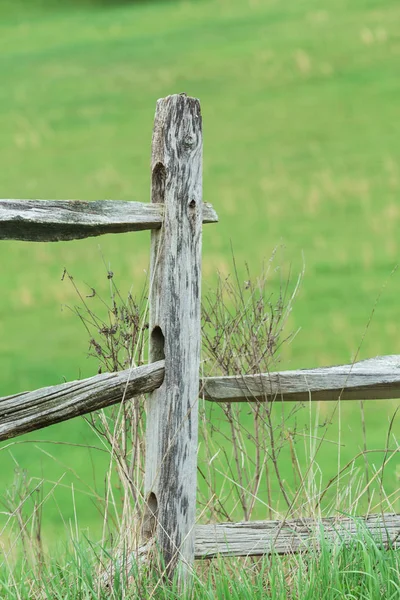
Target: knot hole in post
157,343
192,214
158,177
189,141
150,517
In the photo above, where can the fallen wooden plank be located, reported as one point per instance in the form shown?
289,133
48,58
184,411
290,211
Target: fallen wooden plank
255,538
61,220
28,411
372,379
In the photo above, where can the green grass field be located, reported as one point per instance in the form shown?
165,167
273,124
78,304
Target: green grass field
301,130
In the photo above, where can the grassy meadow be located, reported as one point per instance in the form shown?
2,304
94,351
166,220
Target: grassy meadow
301,152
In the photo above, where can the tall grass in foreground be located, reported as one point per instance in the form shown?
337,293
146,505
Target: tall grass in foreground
250,466
362,570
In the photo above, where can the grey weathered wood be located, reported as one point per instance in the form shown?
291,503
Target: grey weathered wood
255,538
377,378
372,379
28,411
58,220
258,538
172,410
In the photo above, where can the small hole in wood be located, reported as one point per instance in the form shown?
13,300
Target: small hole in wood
192,204
150,516
157,342
158,177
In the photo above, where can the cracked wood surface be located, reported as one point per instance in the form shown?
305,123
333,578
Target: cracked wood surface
29,411
376,378
172,409
372,379
258,538
62,220
255,538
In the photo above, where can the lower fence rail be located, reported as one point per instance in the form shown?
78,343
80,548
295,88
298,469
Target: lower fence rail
261,538
256,538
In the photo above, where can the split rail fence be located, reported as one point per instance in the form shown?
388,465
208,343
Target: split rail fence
175,217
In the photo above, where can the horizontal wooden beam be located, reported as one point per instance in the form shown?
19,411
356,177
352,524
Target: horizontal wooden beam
259,538
62,220
255,538
372,379
28,411
377,378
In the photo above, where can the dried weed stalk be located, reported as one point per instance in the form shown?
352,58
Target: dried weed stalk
118,339
243,329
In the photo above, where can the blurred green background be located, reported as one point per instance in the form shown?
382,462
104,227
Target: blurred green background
300,105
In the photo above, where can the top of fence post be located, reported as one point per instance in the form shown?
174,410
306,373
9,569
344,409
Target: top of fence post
172,410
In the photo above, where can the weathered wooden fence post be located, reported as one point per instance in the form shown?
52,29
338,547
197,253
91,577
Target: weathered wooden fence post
172,409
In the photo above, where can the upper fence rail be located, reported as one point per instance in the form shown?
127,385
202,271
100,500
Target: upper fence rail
63,220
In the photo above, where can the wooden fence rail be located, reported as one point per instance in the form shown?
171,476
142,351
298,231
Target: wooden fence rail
63,220
28,411
259,538
175,217
255,538
372,379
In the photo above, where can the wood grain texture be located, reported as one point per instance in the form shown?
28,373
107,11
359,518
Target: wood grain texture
377,378
372,379
62,220
255,538
172,410
28,411
258,538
